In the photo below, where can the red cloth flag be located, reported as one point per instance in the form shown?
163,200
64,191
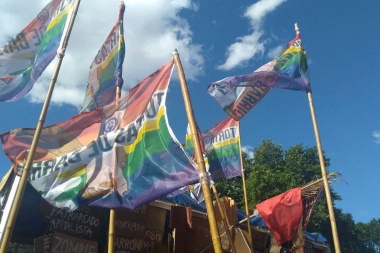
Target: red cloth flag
282,214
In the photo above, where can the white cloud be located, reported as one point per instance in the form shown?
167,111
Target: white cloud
248,46
248,150
152,30
376,134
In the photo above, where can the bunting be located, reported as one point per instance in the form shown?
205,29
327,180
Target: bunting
121,155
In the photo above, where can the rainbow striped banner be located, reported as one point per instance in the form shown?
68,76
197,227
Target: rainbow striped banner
121,155
222,143
26,56
221,149
106,69
239,94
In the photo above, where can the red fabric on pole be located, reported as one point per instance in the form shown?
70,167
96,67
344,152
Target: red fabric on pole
282,214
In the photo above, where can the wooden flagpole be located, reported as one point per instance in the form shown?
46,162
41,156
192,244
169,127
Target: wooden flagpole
223,215
25,173
245,194
324,177
323,169
199,157
112,217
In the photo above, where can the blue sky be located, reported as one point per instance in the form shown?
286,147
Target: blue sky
216,39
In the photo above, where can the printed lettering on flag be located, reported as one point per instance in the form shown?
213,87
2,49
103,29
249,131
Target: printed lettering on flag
222,143
18,55
106,69
239,94
121,155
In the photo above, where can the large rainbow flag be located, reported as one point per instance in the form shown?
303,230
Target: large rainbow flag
239,94
120,155
106,69
26,56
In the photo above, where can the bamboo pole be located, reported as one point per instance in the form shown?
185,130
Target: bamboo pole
25,173
199,157
324,177
245,196
112,217
223,214
323,167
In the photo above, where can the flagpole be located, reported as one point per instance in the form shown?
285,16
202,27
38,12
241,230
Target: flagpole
324,177
223,215
199,157
112,217
25,173
323,168
245,193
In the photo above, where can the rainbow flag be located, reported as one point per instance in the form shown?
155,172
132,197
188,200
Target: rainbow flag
106,69
25,57
121,155
18,55
239,94
222,143
221,147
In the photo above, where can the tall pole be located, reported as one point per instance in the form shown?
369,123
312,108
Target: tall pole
223,215
25,173
245,196
112,217
323,168
324,177
203,177
119,83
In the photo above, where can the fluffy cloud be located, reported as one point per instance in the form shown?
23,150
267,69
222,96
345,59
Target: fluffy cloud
248,46
149,42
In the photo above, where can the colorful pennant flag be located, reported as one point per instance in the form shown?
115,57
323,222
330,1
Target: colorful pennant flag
221,146
121,155
106,69
239,94
282,214
26,56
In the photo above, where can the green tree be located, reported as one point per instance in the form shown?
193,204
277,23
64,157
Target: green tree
274,170
369,233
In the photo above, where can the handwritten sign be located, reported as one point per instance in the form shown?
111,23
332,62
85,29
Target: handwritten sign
132,245
84,222
43,244
68,244
146,222
61,243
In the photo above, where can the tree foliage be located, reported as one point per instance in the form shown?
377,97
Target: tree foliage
275,170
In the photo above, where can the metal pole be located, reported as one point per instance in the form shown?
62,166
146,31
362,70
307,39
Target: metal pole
25,173
199,157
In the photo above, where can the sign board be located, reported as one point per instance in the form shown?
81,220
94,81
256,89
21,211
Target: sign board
43,244
145,222
132,245
84,222
61,243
